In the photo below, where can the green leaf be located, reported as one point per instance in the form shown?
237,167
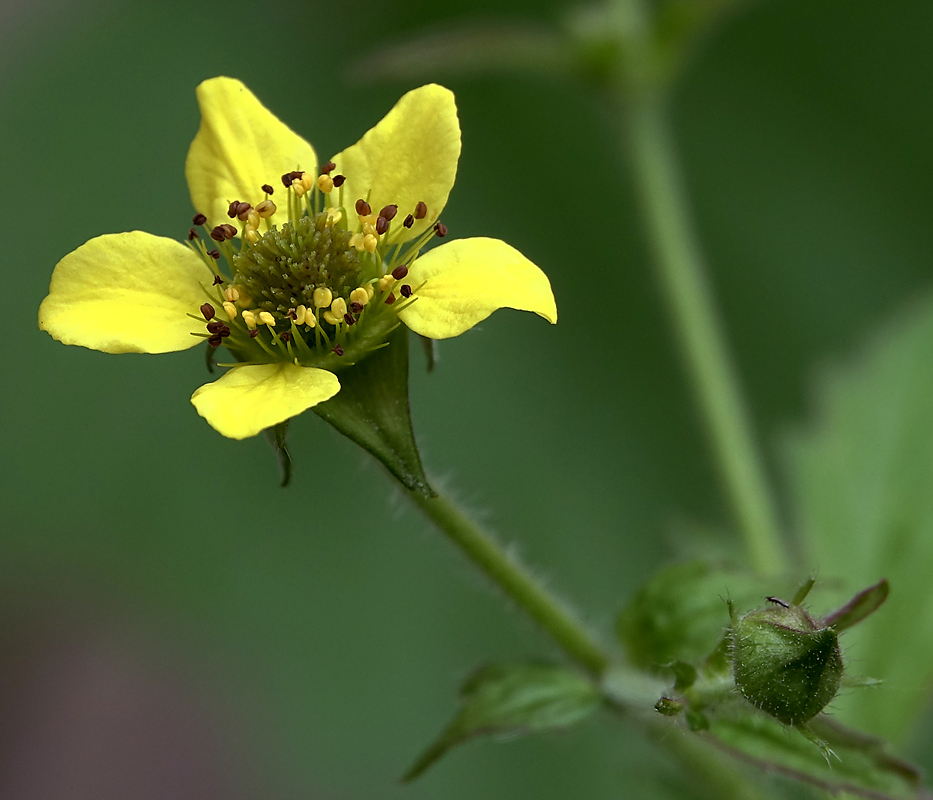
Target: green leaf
514,699
680,614
860,764
277,438
861,479
372,409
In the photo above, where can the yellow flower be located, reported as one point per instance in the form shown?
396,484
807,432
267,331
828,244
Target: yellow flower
326,264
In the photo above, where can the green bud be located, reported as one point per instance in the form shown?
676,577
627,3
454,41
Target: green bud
785,662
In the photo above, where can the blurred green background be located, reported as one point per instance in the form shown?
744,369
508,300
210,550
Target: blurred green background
308,642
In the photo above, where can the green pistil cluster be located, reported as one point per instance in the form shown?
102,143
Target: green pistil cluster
282,270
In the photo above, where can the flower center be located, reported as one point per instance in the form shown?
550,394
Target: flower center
284,268
323,288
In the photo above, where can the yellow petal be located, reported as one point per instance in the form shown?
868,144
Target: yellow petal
410,156
126,293
251,398
239,147
466,280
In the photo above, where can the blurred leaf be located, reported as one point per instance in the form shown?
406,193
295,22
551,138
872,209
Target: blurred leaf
680,614
514,699
372,409
862,767
862,482
469,48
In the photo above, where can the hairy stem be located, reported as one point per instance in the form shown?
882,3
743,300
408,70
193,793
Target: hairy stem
514,580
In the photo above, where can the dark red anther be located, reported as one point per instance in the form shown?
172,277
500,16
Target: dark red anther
440,230
382,225
215,254
291,313
216,340
338,350
207,311
254,333
349,319
217,279
232,210
409,221
288,177
218,235
400,272
266,188
215,326
242,211
363,208
390,299
389,212
405,291
285,336
339,180
199,219
356,308
328,168
224,332
421,210
229,230
192,234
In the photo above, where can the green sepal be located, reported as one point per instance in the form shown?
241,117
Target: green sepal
372,409
514,699
859,607
685,675
430,352
276,436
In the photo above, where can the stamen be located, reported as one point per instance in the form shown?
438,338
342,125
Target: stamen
405,291
421,210
409,221
192,234
369,243
329,317
322,297
266,208
325,183
382,225
207,310
253,333
329,167
232,294
230,310
389,212
440,229
400,272
223,232
338,350
216,340
216,326
390,299
339,180
199,219
359,297
349,319
289,177
265,318
215,254
363,208
250,319
266,188
339,307
217,279
285,336
356,308
299,315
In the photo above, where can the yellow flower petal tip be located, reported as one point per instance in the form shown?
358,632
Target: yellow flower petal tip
463,282
126,293
409,158
251,398
240,146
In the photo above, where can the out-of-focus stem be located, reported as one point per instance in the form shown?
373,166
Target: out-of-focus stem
648,143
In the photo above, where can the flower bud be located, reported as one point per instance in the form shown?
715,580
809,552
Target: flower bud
785,662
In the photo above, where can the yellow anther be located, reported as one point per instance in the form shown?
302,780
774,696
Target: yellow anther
245,300
370,242
250,319
385,282
328,317
265,209
298,188
322,297
230,309
307,181
360,296
232,294
265,318
339,307
368,219
369,229
310,321
325,183
300,315
356,240
334,215
370,291
252,220
251,236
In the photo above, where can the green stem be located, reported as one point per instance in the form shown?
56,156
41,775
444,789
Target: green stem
513,579
649,145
